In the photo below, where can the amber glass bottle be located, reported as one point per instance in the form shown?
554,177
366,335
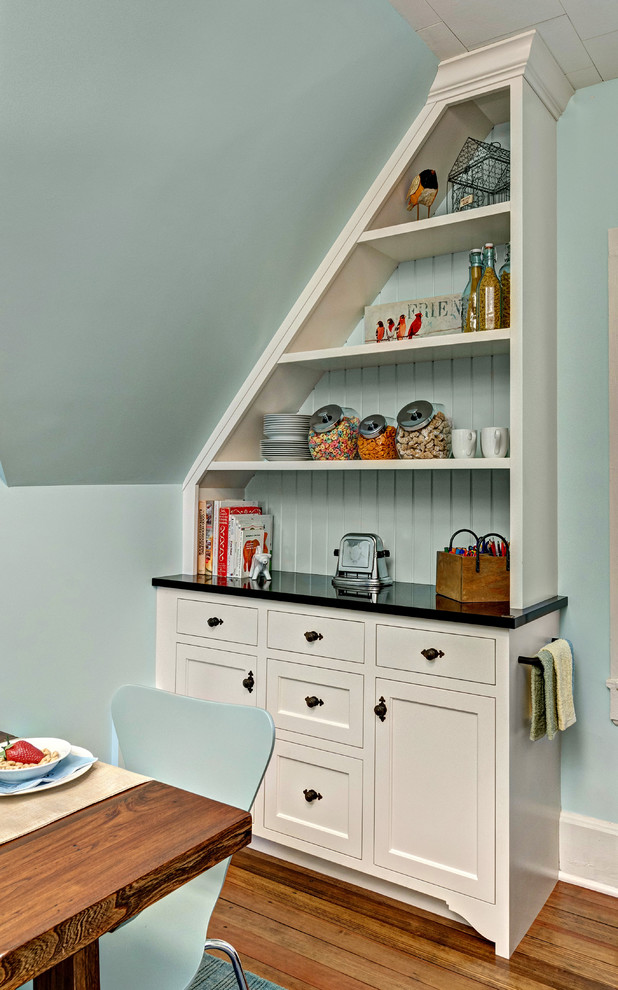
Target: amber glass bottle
489,293
470,316
505,288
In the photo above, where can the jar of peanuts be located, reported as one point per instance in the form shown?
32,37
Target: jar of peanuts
333,434
376,438
423,431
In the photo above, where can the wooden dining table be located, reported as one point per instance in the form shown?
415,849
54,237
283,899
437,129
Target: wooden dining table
67,883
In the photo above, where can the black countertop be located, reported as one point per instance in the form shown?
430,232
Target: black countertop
419,600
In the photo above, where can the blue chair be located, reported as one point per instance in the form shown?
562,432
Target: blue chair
161,948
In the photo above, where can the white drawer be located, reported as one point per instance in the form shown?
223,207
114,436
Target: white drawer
331,820
466,658
218,622
326,704
317,635
215,675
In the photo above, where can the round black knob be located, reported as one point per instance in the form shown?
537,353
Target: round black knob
432,654
214,622
313,702
312,636
381,709
312,796
249,682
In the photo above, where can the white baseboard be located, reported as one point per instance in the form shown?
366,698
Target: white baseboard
589,852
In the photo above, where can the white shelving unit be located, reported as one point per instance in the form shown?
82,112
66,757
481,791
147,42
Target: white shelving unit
504,377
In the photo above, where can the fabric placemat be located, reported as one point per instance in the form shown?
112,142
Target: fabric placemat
22,813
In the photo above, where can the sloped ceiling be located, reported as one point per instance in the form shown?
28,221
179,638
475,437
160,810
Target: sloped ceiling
175,171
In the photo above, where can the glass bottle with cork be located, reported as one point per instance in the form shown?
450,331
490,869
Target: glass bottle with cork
469,299
505,288
489,292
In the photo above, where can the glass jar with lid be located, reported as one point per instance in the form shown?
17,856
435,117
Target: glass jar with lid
423,431
333,433
376,438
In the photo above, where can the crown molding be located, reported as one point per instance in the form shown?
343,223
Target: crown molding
489,68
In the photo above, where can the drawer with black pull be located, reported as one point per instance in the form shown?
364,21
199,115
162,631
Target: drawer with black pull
317,635
215,675
317,701
465,658
217,622
315,796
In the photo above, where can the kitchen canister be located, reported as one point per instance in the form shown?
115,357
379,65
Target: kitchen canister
423,431
333,433
376,438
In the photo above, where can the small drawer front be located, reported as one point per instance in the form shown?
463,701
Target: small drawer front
327,704
215,675
319,636
217,622
315,796
466,658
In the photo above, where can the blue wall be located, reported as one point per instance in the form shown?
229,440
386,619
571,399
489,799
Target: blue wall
77,611
587,207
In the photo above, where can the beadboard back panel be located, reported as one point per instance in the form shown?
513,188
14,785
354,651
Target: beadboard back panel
313,511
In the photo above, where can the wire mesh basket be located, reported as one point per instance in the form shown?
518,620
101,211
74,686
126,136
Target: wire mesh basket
480,176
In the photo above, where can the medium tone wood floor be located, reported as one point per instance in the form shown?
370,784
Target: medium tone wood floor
305,931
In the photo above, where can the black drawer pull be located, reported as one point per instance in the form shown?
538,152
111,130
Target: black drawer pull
249,682
432,654
381,709
312,636
312,796
313,702
214,622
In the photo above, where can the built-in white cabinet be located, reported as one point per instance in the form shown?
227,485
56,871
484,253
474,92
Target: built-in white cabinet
403,759
435,807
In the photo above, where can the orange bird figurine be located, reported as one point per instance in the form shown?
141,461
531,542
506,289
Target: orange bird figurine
401,327
423,190
415,326
380,331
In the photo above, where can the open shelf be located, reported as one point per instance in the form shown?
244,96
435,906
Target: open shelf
445,234
431,464
462,345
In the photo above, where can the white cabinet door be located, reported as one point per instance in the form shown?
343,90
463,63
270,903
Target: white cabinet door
435,787
215,675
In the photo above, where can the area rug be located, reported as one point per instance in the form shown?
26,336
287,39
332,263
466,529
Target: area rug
215,974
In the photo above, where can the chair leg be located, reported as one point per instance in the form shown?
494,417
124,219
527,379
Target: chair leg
217,943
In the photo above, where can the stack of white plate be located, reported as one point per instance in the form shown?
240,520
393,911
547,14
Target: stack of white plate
285,437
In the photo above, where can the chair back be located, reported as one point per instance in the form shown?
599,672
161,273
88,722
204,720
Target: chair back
215,749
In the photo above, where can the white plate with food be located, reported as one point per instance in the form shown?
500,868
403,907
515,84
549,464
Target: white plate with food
82,755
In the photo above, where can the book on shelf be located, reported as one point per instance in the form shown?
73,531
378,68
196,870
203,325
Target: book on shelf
250,534
223,510
201,536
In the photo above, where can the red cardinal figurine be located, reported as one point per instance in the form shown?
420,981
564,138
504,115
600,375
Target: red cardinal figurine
415,326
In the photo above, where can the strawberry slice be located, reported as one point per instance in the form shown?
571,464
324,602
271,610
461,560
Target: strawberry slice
23,752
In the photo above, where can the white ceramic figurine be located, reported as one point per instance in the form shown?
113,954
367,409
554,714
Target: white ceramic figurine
259,568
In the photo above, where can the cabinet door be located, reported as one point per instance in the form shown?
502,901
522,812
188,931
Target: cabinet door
215,675
435,789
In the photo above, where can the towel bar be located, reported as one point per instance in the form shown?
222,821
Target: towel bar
533,661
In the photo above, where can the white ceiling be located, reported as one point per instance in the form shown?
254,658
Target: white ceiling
582,35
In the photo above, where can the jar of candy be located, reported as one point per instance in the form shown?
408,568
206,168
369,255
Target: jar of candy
423,431
376,438
333,434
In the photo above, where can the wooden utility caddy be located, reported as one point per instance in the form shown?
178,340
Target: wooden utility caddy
478,578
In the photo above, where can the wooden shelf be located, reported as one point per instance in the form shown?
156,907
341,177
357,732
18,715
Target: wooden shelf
445,234
435,464
462,345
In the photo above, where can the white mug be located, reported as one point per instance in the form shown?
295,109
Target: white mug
494,441
464,443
